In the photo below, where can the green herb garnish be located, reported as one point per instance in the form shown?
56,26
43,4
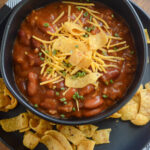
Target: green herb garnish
40,54
36,105
63,99
104,96
62,116
85,35
111,81
73,109
116,35
46,24
76,46
65,103
54,52
85,14
57,93
62,88
42,58
91,18
132,52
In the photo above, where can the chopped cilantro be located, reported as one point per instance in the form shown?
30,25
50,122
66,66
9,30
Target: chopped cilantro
42,58
104,53
65,103
62,88
76,46
66,64
73,109
47,51
36,105
86,35
78,8
54,52
46,24
62,116
104,96
116,35
91,18
85,14
40,54
63,99
79,74
111,81
57,94
132,52
115,48
112,16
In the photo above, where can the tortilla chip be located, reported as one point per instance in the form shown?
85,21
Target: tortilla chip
30,140
39,125
147,85
129,111
86,145
145,102
102,136
140,120
51,143
60,137
88,130
116,115
16,123
2,85
24,130
97,41
4,101
69,46
74,147
74,29
83,81
13,101
73,134
140,88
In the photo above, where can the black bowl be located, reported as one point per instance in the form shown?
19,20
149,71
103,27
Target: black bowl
122,7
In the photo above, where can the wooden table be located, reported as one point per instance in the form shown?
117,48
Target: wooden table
145,4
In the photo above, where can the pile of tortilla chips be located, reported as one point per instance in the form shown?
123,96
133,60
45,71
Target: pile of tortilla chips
56,137
7,101
63,137
137,110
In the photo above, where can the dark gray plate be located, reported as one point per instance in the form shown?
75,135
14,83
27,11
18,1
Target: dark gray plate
124,135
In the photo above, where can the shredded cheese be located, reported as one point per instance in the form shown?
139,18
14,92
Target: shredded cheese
118,50
58,18
56,63
80,4
69,12
147,36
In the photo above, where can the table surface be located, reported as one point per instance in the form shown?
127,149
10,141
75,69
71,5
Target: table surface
144,4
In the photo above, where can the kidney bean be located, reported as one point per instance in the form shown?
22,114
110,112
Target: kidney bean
77,114
87,90
111,74
50,93
49,103
93,102
70,93
35,43
114,92
24,38
92,112
32,83
66,108
60,85
44,29
35,100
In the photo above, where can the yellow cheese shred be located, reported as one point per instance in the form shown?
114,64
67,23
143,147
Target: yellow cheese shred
58,18
147,36
80,4
50,81
118,50
69,12
78,17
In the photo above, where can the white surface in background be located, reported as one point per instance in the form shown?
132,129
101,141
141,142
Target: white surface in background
12,3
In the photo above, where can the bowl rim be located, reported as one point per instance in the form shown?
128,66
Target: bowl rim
59,120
